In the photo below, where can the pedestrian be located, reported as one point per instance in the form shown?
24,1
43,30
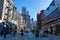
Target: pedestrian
1,32
4,32
14,31
4,29
36,33
46,33
22,32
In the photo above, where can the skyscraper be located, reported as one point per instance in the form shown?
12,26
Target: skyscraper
32,20
26,16
23,10
38,21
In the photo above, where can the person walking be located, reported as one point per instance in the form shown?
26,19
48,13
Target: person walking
22,32
46,33
4,32
4,29
36,33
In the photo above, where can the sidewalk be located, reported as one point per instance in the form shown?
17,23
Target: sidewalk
7,36
29,36
1,37
54,37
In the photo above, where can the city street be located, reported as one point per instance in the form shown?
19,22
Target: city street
29,19
29,36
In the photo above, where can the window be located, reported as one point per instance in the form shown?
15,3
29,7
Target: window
52,3
6,10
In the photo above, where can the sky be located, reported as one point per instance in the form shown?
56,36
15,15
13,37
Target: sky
33,6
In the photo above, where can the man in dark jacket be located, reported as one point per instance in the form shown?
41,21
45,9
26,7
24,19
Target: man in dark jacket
22,32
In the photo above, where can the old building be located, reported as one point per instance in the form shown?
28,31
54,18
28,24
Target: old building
20,22
52,17
38,21
42,18
26,16
6,7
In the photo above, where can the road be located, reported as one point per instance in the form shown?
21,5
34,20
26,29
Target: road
29,36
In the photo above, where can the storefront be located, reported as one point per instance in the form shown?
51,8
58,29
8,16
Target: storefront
14,28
